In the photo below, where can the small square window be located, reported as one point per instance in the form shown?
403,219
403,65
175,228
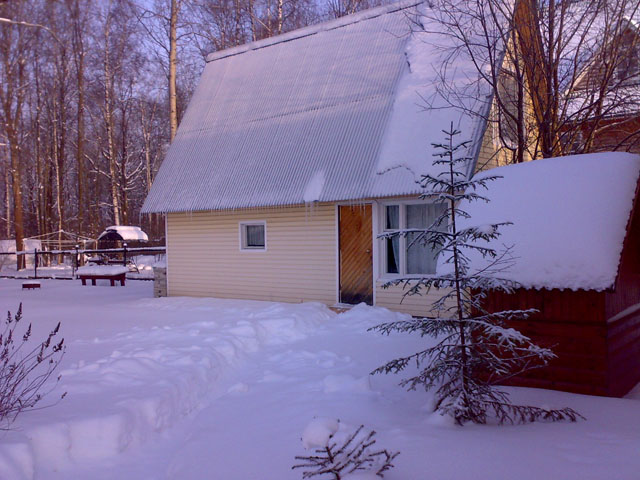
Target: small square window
253,236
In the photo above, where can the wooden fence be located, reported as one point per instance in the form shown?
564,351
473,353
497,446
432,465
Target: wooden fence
113,256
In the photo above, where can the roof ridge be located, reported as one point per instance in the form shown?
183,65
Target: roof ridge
316,28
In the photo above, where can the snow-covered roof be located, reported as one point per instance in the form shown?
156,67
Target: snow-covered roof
128,233
569,215
314,115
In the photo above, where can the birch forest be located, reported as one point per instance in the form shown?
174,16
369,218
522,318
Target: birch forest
91,95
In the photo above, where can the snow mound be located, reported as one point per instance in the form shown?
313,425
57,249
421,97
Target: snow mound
569,218
361,476
346,383
318,432
147,378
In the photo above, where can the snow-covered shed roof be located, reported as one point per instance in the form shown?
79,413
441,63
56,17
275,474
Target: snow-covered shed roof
128,233
569,214
314,115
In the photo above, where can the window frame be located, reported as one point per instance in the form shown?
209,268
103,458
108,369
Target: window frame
382,248
242,235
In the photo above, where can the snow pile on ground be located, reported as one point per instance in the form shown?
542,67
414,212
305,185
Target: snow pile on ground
569,218
145,264
147,377
177,388
318,432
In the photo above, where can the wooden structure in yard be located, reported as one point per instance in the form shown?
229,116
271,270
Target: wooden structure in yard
117,277
116,236
99,272
30,285
595,332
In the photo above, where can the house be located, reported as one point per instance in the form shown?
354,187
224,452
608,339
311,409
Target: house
606,95
575,244
297,151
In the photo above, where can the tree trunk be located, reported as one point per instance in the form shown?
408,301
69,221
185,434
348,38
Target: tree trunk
280,16
7,182
16,181
79,54
108,119
173,45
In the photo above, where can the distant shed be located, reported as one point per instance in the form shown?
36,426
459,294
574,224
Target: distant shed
116,235
576,248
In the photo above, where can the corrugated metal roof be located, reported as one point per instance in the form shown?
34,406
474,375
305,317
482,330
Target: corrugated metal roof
308,112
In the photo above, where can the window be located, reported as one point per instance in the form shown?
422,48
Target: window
253,236
403,255
508,92
628,68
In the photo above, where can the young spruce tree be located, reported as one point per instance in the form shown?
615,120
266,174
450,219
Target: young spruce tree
475,349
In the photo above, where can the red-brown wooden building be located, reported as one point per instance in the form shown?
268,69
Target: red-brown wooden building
592,323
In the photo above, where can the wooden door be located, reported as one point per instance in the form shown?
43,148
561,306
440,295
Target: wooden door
356,258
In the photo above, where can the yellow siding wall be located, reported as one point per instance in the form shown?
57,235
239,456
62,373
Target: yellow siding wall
299,264
417,305
489,156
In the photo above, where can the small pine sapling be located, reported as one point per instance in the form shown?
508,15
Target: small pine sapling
25,367
342,455
475,350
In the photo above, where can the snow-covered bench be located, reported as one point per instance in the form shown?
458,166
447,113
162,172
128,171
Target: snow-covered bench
30,285
102,272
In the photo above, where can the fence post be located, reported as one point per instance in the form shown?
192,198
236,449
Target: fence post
124,257
74,264
35,263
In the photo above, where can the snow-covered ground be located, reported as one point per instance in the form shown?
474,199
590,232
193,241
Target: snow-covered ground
181,388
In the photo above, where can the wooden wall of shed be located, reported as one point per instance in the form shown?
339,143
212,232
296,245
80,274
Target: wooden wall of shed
623,335
627,290
572,324
623,353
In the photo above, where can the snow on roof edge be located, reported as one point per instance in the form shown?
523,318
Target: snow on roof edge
576,247
315,28
301,203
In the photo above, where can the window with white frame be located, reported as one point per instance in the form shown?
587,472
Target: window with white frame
402,254
253,236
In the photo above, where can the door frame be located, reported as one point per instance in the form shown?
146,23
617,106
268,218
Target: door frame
375,244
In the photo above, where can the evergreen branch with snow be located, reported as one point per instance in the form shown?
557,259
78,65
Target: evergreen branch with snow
475,349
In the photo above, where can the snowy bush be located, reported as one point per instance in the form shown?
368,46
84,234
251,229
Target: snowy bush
342,453
25,367
475,349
